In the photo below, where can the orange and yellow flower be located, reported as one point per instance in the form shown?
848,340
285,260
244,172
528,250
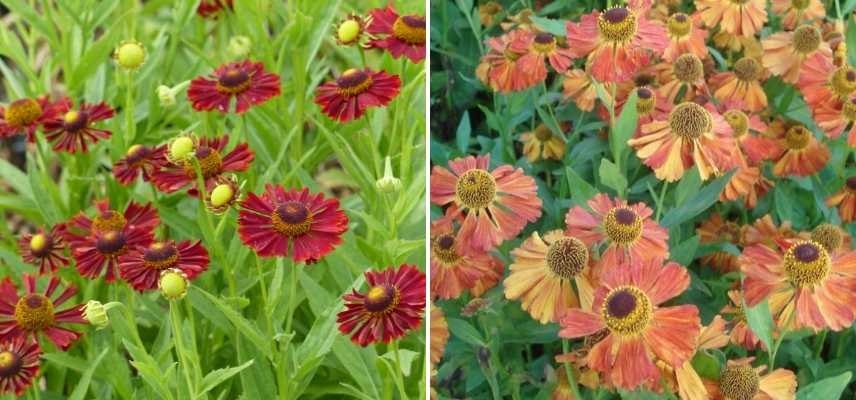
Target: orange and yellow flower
686,35
538,47
803,154
796,11
439,334
741,18
845,200
821,81
785,52
837,117
454,269
577,84
684,379
542,143
742,84
741,334
739,380
500,68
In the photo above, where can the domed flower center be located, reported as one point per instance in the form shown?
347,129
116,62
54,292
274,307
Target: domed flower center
627,310
354,82
567,257
349,30
851,184
806,39
806,264
730,232
160,256
223,194
849,110
843,82
233,81
40,244
34,312
108,221
679,25
800,4
543,133
443,249
544,43
136,153
690,120
828,236
476,188
111,243
739,122
23,112
645,101
410,29
739,382
618,24
688,68
292,219
10,364
74,121
747,69
382,299
797,137
210,163
622,226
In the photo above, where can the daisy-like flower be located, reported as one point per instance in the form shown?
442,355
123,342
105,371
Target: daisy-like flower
684,379
803,154
538,48
785,52
212,8
831,237
246,81
26,317
542,143
796,11
837,117
140,159
685,36
765,231
72,130
391,307
650,105
213,163
748,181
845,200
545,272
739,380
683,75
748,129
98,242
737,17
805,279
495,205
45,249
500,67
822,82
405,34
626,230
628,306
142,266
742,84
580,86
353,92
19,365
453,268
741,334
293,223
716,230
487,13
439,334
24,116
617,42
693,134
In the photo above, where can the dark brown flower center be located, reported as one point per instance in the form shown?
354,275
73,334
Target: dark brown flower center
618,24
410,29
108,221
476,188
136,153
690,120
10,364
443,249
739,382
851,183
233,81
292,219
210,163
806,264
354,82
679,25
382,299
74,121
111,243
23,112
544,43
34,312
626,310
806,39
567,257
622,226
645,101
160,256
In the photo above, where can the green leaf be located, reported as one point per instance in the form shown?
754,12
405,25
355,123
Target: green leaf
247,328
760,322
553,26
688,185
466,332
612,177
462,135
149,370
83,384
625,126
218,376
829,388
581,191
405,356
697,204
684,253
706,365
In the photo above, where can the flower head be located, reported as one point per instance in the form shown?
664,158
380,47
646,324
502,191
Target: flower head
538,48
142,266
24,116
741,334
19,365
454,269
246,81
736,17
578,85
45,248
743,84
686,36
73,130
173,284
821,81
845,200
738,380
542,143
392,306
501,69
802,155
212,8
353,92
796,11
785,52
209,154
96,314
351,30
239,47
140,159
27,316
226,193
405,34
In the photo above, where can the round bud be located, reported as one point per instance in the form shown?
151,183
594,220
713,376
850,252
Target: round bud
221,195
348,31
181,148
173,284
130,54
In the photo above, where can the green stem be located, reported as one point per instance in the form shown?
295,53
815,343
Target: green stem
292,293
818,344
779,340
263,287
662,199
363,57
183,360
399,375
129,109
566,348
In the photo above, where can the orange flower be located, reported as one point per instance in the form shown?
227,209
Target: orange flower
716,230
748,182
795,11
501,69
765,231
739,380
785,52
836,117
650,105
685,36
578,85
685,73
618,41
822,82
537,48
693,134
803,154
742,84
741,334
628,307
439,334
627,230
542,143
495,205
544,273
845,200
804,279
741,18
685,378
453,268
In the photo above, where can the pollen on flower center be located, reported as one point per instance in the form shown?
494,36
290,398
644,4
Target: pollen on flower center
10,364
34,312
688,68
679,25
618,24
39,243
543,133
108,221
828,236
626,310
544,43
443,249
233,81
843,81
797,137
409,29
800,4
806,263
567,257
292,219
645,101
622,225
849,110
689,120
806,39
382,299
354,82
111,243
739,122
210,163
739,382
476,188
74,120
160,256
747,69
23,112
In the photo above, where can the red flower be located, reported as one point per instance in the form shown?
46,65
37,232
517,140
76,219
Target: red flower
98,242
392,306
33,313
141,267
354,91
246,81
405,34
19,364
311,225
44,249
140,158
175,175
72,130
25,116
210,8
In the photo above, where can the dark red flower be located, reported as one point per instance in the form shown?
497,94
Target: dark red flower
141,267
25,116
307,223
209,153
354,91
246,81
19,364
393,305
140,158
33,313
44,249
211,8
72,130
98,242
405,34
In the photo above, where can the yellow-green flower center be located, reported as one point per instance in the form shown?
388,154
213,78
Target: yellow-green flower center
690,120
800,4
806,39
130,55
827,235
349,31
849,110
38,242
679,25
180,148
626,310
222,195
739,122
747,69
806,263
543,133
567,257
476,188
34,312
797,137
618,24
843,82
292,219
739,382
172,284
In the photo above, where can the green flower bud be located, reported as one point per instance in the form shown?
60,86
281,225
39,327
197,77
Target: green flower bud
130,54
173,284
239,47
389,183
96,314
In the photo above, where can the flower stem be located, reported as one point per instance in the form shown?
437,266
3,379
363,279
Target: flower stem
818,344
292,293
566,348
130,127
175,316
779,340
363,57
399,375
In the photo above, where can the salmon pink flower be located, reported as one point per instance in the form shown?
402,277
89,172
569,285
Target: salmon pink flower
142,266
578,85
785,52
741,334
19,365
796,11
246,81
739,380
803,154
32,314
686,35
740,18
821,82
742,85
837,117
538,48
500,68
72,130
439,334
845,200
454,269
405,34
716,230
45,249
352,93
